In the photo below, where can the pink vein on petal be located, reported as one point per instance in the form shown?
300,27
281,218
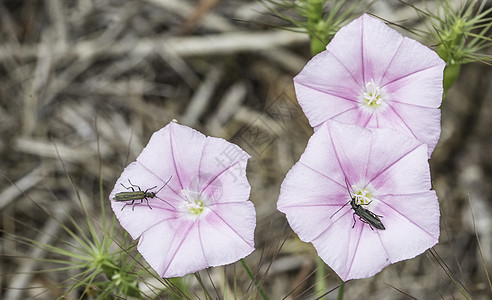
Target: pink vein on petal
172,154
329,225
201,158
201,242
336,154
246,242
368,120
179,247
391,60
318,172
331,93
340,113
355,250
342,64
399,117
409,74
218,175
394,162
370,152
416,225
382,245
362,51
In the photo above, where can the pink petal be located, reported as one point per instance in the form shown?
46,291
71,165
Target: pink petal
415,76
172,248
332,84
226,232
423,123
309,209
174,240
380,44
352,252
407,174
418,214
177,247
136,219
324,92
227,162
394,165
352,148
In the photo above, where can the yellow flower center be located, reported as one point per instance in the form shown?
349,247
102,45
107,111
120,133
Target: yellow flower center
373,95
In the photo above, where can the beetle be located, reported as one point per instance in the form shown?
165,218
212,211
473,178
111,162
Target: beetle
137,195
364,214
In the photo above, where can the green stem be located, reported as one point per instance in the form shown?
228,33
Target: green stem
199,279
451,73
341,290
314,13
250,274
320,276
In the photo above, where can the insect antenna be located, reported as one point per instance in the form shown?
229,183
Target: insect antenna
164,184
346,183
339,209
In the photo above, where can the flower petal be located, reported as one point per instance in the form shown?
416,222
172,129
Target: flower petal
227,232
380,44
395,169
226,165
172,248
366,57
326,89
309,209
423,123
352,148
202,217
418,214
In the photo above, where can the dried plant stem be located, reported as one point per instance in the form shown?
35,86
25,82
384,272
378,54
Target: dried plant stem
200,281
251,275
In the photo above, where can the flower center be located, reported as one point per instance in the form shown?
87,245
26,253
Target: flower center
373,95
362,196
194,204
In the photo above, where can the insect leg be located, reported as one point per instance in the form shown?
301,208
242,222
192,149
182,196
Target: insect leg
147,200
353,217
128,204
133,190
364,221
134,185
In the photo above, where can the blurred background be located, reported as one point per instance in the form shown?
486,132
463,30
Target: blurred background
77,73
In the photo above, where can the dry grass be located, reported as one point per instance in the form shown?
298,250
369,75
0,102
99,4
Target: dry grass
76,72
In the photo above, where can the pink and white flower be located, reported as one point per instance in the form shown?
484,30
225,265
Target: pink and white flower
202,217
372,76
387,173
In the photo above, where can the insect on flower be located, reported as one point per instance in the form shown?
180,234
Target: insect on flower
376,164
205,218
137,195
364,214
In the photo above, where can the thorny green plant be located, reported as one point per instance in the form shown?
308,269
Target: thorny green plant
321,19
459,35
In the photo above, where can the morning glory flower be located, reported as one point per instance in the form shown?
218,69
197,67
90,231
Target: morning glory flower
372,76
202,216
387,174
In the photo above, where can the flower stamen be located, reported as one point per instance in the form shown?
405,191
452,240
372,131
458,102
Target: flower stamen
362,196
194,204
373,95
